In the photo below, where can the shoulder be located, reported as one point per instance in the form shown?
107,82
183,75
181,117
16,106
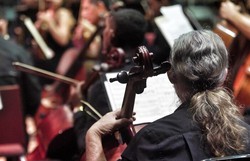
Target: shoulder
161,139
65,14
64,11
168,126
14,50
177,123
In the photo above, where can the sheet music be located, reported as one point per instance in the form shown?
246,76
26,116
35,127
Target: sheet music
1,103
173,23
158,99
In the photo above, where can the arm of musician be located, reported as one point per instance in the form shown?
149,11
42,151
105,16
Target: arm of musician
94,48
65,22
83,32
94,150
106,125
231,12
4,28
61,27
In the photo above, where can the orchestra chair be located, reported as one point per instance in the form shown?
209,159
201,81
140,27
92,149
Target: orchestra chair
242,157
13,138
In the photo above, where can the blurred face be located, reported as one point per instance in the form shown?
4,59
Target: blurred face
90,11
108,33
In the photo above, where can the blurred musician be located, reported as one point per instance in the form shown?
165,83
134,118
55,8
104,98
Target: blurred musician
55,24
124,29
10,52
86,42
90,18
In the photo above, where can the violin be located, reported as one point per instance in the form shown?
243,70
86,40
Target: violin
135,81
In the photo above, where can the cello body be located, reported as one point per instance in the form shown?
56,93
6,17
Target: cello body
242,84
239,62
240,73
239,59
56,137
226,31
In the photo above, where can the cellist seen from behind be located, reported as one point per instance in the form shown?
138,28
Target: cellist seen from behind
207,123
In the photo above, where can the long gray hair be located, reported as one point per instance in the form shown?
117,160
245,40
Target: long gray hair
199,62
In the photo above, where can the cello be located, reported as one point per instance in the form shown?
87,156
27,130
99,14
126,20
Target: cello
55,132
240,72
55,129
135,81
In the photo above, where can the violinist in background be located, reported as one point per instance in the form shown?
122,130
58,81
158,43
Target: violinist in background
207,123
124,32
239,49
90,18
55,23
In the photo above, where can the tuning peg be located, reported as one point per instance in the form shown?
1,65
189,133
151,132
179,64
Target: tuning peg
121,77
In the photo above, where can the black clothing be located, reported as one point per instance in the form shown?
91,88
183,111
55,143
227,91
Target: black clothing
173,138
247,115
29,85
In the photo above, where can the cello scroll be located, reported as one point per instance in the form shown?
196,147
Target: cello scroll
136,82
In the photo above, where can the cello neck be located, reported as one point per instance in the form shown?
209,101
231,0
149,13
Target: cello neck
132,88
136,83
